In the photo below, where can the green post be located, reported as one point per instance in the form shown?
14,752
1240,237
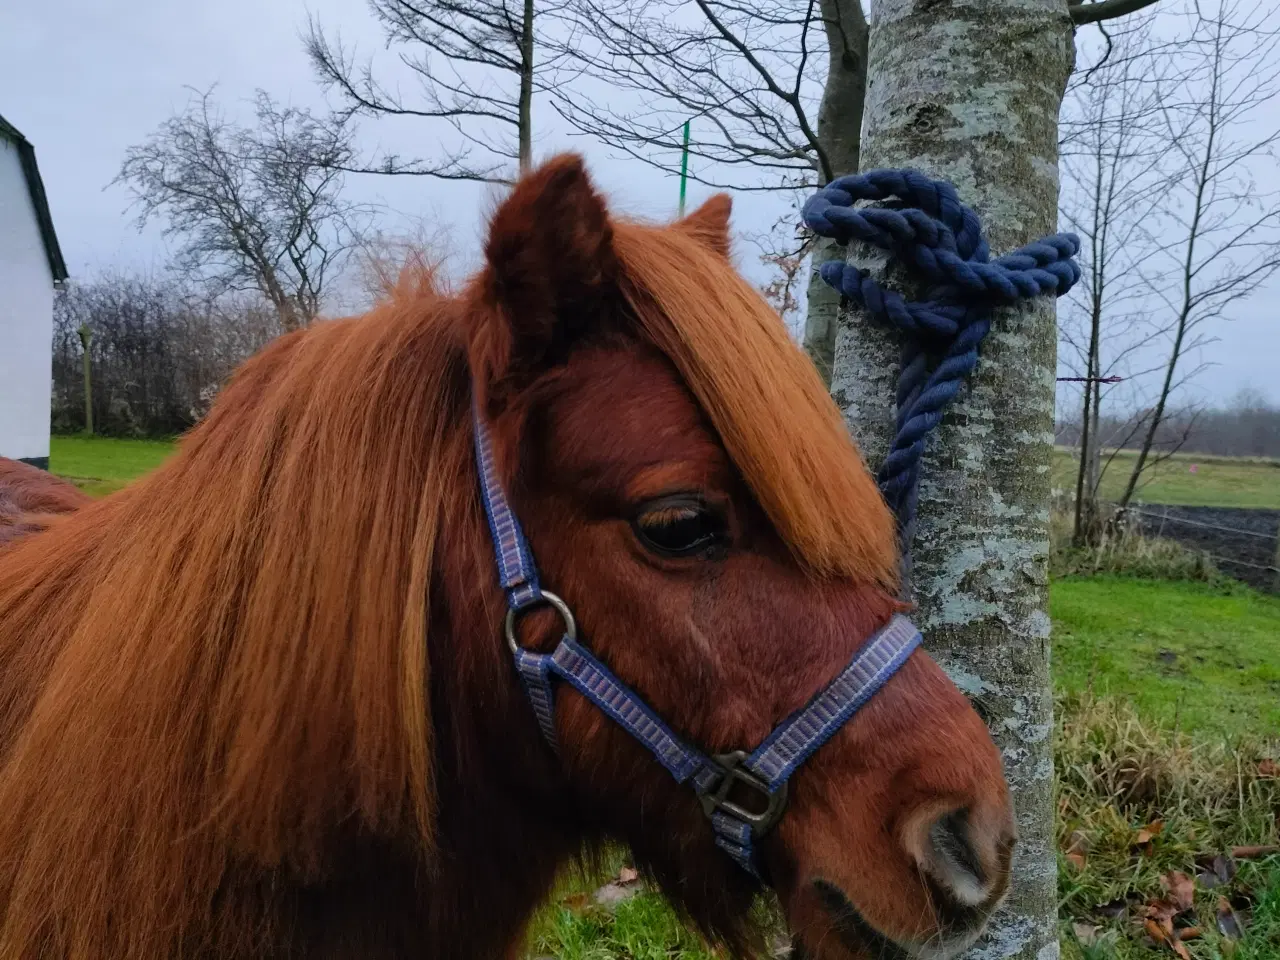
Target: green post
86,336
684,166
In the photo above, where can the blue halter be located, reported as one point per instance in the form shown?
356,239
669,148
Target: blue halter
763,772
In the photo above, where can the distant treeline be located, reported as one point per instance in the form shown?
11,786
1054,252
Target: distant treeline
158,353
1247,427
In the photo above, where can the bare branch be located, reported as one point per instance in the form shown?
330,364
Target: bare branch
1083,13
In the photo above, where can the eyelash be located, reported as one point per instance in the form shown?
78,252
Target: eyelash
679,526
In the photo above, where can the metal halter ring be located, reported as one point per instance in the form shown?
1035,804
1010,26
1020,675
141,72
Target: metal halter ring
544,598
733,771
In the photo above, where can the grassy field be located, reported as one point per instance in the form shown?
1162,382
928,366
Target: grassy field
1216,482
1168,715
101,465
1202,657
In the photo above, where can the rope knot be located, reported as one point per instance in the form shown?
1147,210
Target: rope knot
923,225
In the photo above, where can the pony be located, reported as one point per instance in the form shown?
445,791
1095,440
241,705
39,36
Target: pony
259,704
30,498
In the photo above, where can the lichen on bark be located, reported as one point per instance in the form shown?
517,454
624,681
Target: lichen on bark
969,92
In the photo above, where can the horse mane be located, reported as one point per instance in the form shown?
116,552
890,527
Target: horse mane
31,499
157,647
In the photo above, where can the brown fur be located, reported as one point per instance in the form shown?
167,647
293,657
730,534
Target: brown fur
31,498
256,704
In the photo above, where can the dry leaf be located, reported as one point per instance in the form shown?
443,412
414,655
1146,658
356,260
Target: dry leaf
1190,933
1162,913
1078,842
576,902
1251,853
1181,888
1076,859
1149,832
628,875
1268,768
1156,932
1228,921
1180,949
1113,909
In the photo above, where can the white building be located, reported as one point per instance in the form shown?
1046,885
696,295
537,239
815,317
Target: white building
31,265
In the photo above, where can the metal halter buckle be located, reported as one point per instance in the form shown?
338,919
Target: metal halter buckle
732,771
544,599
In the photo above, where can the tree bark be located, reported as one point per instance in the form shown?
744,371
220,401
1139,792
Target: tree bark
839,132
86,338
970,92
525,105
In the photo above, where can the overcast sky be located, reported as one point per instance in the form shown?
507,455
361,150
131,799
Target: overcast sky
83,80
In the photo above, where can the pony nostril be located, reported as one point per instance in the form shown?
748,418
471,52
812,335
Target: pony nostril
953,861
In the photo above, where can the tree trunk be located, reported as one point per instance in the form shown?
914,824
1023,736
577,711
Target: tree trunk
839,133
526,87
970,93
86,338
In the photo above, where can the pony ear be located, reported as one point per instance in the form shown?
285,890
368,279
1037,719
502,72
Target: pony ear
709,224
551,268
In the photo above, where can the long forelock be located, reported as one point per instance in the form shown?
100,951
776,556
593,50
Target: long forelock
765,399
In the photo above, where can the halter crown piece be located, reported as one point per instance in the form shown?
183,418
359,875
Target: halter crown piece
719,780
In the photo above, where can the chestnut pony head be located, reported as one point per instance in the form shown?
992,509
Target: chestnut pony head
691,491
258,704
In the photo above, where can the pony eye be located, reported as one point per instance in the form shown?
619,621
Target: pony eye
678,527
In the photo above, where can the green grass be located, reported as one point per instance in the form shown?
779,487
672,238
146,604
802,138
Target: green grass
1117,775
1202,655
1217,482
102,465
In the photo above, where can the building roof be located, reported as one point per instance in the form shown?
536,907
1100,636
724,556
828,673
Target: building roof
35,187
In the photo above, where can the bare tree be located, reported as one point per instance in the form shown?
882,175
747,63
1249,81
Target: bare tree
252,207
1225,226
748,76
1112,189
475,65
773,92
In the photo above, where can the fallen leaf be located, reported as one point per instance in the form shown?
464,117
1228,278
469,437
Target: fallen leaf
628,875
1076,859
1215,870
1207,879
1156,932
1149,832
1190,933
1113,909
1078,842
1162,912
1268,768
1180,949
575,902
1181,888
1086,933
1252,853
1228,921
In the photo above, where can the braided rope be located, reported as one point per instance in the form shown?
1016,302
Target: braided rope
940,239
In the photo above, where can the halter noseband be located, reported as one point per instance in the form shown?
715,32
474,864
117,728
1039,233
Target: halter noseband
764,772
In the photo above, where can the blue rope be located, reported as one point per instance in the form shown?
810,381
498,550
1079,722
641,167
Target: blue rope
940,239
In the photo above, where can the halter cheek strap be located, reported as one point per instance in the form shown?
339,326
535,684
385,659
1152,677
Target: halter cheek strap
716,779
